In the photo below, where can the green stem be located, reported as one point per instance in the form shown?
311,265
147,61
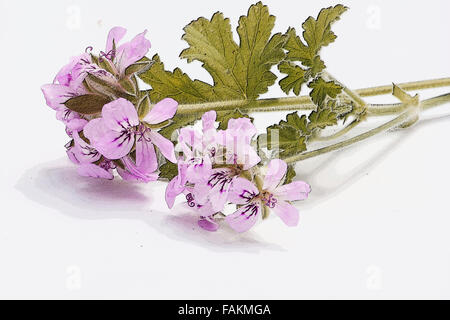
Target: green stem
390,109
340,133
304,102
387,126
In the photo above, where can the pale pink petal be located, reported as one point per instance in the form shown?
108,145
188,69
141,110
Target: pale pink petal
164,145
242,126
94,130
120,115
297,190
220,183
162,111
114,36
202,209
146,156
239,151
177,185
56,95
94,171
130,52
249,158
189,140
65,115
275,172
133,173
110,143
76,124
244,218
69,75
288,213
72,156
173,189
198,170
242,191
83,151
208,120
208,224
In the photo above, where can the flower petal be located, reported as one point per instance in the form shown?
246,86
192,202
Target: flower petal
198,170
114,36
288,213
110,143
244,218
275,172
243,127
173,189
133,173
242,191
94,171
130,52
164,145
120,114
83,152
56,95
220,184
73,74
297,190
146,156
208,224
162,111
208,120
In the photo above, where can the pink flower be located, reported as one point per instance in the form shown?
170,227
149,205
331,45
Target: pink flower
119,129
211,163
273,196
128,53
90,161
68,83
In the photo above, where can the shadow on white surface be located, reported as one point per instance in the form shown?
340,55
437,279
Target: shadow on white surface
327,182
57,185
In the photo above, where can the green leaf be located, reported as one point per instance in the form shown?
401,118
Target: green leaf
322,119
87,104
290,174
225,118
239,72
321,89
316,35
295,77
243,71
318,32
177,85
168,170
297,122
285,139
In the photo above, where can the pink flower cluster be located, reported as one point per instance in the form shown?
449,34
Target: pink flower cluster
116,139
220,167
216,168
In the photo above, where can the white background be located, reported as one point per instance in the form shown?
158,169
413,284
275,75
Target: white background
376,225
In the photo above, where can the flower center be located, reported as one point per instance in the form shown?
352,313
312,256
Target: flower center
221,179
269,199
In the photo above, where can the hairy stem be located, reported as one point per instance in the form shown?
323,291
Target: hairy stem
340,133
304,102
404,117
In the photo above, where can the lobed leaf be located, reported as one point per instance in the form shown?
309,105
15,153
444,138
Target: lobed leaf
322,89
317,34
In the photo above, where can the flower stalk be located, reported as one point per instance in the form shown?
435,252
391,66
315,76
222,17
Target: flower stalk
303,103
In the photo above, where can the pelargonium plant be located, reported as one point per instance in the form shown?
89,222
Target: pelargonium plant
116,129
